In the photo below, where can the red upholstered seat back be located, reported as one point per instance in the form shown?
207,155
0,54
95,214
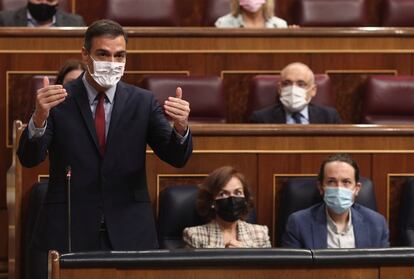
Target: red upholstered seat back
142,12
37,82
397,13
213,9
388,100
263,92
205,95
334,13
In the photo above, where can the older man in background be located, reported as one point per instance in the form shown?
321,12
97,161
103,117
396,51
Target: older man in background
296,89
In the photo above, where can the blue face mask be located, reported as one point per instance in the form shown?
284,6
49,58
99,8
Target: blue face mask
338,199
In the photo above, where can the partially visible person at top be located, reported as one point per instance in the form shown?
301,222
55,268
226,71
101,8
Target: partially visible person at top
251,14
69,71
224,201
40,13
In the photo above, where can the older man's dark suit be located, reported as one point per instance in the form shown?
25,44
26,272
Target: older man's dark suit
19,18
276,114
114,186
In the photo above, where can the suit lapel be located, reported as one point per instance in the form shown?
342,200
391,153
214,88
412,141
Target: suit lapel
60,18
20,17
361,231
279,114
315,115
120,101
82,100
319,230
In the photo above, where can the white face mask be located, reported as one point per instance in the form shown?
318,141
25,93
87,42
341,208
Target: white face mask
293,98
252,5
107,74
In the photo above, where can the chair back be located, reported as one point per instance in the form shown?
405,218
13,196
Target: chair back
12,4
213,9
142,12
406,215
205,95
36,82
388,100
397,13
177,211
331,13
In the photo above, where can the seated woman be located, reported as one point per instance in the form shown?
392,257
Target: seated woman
224,200
251,14
69,71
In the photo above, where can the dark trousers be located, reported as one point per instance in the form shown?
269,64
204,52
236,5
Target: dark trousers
35,266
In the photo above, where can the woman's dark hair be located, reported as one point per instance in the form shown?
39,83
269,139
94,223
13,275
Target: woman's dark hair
67,67
213,184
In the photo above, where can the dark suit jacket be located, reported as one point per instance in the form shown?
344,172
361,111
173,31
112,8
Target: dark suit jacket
307,228
19,18
276,114
115,185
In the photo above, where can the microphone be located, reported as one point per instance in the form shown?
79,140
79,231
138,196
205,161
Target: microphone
68,178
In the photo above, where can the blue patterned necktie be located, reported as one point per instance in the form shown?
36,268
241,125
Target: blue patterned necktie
296,116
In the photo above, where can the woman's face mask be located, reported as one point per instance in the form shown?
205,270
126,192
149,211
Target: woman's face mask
231,209
251,5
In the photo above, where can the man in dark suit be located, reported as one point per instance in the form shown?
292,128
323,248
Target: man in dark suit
100,126
40,13
337,222
296,89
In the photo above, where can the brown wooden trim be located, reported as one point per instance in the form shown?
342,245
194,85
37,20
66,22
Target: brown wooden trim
215,32
314,129
53,265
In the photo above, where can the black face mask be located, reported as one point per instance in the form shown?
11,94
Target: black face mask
41,12
231,209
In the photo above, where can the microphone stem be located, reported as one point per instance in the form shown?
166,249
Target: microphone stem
68,176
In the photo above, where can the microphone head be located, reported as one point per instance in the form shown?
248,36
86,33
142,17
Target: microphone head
68,171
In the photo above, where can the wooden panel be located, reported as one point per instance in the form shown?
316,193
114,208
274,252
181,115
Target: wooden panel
3,233
392,272
238,272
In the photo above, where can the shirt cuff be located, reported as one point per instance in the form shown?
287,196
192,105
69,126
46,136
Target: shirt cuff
36,132
182,139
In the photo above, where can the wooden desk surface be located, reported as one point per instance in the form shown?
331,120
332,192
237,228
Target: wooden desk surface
246,263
